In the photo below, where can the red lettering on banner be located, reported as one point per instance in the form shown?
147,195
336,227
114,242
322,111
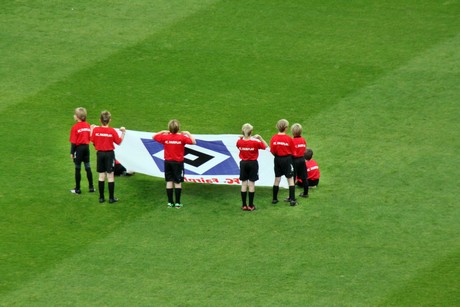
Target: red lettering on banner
232,180
201,180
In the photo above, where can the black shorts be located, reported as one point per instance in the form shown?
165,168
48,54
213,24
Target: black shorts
249,170
174,171
81,154
284,167
105,161
313,183
300,168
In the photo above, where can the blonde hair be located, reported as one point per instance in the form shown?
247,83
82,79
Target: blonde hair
282,125
296,129
174,126
81,113
105,117
247,129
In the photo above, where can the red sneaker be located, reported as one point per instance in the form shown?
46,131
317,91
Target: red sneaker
252,208
245,208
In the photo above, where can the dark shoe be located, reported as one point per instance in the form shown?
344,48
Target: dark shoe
101,200
287,200
275,201
252,208
113,200
92,190
293,203
75,191
303,195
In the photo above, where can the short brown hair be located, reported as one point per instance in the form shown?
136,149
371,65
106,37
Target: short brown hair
105,117
174,126
308,154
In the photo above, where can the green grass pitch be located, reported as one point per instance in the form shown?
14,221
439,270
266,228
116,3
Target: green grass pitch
375,84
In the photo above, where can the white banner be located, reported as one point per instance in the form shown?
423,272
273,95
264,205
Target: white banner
214,159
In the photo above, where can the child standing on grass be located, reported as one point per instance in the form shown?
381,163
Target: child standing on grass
104,137
174,149
79,148
282,147
249,167
300,145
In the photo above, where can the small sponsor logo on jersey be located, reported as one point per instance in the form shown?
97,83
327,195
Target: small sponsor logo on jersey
281,143
108,135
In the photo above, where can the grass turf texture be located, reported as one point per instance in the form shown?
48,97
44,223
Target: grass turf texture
376,87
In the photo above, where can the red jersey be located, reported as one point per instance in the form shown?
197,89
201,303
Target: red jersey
300,145
312,169
80,133
174,144
104,138
249,148
281,145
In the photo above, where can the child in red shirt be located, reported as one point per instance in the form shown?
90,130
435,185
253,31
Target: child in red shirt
79,148
249,167
300,145
104,138
313,172
174,148
282,147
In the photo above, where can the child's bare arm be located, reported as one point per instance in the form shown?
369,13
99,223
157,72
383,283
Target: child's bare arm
261,139
188,134
123,132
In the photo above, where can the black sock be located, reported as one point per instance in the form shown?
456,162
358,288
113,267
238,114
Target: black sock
251,199
169,193
275,192
177,193
305,188
292,192
89,175
243,198
111,190
77,178
101,188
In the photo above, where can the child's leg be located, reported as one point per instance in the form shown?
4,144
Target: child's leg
111,184
251,193
276,187
169,192
303,176
177,192
244,189
77,176
291,191
89,175
101,183
305,187
313,183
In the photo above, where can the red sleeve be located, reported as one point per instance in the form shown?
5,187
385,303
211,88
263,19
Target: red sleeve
187,140
116,138
158,137
272,149
73,135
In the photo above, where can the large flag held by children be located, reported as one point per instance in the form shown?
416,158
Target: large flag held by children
213,160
